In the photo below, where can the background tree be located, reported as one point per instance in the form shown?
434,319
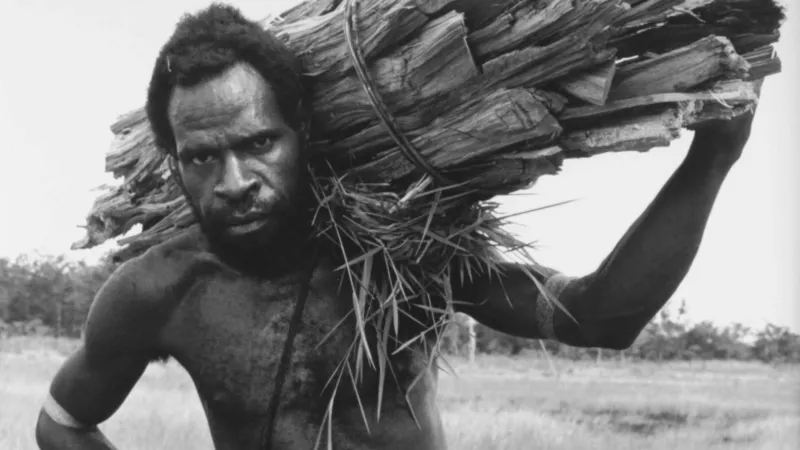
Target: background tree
49,295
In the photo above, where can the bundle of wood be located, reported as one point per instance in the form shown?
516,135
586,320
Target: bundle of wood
424,110
491,93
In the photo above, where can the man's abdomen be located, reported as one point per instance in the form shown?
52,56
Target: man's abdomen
229,332
304,430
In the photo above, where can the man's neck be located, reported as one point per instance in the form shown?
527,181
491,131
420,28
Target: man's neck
276,258
287,251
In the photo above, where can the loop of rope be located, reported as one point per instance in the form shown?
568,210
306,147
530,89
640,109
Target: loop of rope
386,118
286,355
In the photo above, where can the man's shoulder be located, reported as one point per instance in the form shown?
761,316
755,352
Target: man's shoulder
173,256
140,296
160,275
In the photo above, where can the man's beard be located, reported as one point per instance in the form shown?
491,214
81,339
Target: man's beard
279,246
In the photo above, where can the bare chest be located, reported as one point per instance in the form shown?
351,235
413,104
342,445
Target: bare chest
229,334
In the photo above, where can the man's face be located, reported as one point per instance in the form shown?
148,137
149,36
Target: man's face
240,162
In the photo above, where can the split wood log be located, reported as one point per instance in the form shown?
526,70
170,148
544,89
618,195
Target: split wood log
473,129
437,61
622,125
591,86
707,59
748,24
320,40
493,92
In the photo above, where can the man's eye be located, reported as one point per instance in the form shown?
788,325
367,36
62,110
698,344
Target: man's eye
202,158
263,142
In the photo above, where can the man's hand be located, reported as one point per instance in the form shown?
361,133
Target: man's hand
722,141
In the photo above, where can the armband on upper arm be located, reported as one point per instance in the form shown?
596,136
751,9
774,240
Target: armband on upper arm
545,308
60,415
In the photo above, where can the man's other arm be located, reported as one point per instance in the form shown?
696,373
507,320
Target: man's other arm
612,305
121,339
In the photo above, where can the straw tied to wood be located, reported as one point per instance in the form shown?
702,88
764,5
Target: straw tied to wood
426,110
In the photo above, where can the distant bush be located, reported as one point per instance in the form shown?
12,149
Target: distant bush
665,338
50,296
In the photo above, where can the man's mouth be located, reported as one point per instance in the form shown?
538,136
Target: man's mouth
245,225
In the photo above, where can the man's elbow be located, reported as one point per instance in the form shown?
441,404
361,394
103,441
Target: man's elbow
602,339
596,337
612,337
617,332
617,342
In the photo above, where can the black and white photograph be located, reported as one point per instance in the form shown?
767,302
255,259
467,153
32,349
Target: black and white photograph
400,225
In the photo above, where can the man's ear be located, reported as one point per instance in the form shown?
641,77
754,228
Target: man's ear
175,173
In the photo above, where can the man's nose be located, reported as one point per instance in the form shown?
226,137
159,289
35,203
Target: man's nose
237,181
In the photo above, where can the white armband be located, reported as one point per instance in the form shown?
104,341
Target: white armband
59,414
545,307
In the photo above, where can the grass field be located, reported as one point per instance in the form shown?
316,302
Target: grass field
499,403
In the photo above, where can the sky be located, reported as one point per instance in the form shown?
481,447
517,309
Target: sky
71,68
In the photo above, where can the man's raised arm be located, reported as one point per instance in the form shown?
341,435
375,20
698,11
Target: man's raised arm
121,339
613,304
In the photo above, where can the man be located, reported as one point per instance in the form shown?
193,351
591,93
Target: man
227,103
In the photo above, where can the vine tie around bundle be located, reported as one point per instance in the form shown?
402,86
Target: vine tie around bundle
360,66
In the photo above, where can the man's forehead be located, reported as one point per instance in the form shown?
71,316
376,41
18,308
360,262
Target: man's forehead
232,91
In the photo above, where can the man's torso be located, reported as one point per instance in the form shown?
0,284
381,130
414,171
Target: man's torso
228,330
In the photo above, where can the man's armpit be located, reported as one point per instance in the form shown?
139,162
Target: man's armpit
545,308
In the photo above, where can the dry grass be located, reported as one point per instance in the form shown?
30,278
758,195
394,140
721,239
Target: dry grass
499,403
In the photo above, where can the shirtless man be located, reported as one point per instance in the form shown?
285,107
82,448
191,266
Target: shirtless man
225,102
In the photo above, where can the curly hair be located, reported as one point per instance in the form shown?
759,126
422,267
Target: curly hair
206,44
